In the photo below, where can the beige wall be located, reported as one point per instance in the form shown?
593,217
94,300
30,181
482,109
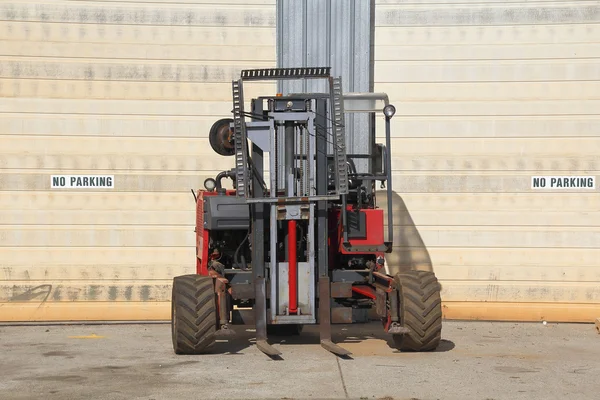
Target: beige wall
487,95
124,88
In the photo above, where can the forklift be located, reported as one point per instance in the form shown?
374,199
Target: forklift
300,239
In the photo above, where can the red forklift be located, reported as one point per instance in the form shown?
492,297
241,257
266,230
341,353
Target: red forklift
300,239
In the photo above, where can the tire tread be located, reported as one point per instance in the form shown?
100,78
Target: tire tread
420,310
194,314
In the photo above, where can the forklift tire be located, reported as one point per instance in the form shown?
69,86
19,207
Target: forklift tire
284,329
420,309
193,314
219,136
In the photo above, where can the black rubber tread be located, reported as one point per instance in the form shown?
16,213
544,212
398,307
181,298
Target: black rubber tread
284,329
420,310
193,314
217,137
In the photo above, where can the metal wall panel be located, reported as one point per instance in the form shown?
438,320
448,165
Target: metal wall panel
488,94
125,88
336,34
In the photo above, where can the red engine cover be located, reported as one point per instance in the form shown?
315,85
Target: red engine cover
374,233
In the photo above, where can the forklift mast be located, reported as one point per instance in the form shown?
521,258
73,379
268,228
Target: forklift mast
300,240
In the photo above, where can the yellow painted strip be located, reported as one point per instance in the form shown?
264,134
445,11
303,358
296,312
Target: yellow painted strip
85,311
161,311
92,336
504,311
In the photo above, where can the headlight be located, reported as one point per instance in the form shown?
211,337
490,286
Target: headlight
389,111
210,184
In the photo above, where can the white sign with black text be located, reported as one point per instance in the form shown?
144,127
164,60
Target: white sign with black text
563,182
82,181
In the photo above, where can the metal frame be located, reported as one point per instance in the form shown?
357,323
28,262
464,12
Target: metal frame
239,125
292,287
270,205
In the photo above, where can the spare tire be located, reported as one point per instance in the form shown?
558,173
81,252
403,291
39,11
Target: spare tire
221,137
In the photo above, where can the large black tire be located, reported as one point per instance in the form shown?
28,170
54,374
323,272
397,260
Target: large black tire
193,314
420,309
218,137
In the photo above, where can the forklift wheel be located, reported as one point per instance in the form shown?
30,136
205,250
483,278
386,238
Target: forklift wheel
219,137
193,314
420,309
284,330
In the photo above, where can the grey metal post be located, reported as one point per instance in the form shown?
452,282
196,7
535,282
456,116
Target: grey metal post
321,176
324,282
290,141
258,258
388,167
258,249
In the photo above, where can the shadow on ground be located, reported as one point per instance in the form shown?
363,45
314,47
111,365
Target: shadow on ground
361,339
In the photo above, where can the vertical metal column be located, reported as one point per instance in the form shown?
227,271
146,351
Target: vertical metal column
324,286
258,259
240,139
339,132
292,267
324,282
290,142
321,178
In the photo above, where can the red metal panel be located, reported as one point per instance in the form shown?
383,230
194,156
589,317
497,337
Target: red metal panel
374,232
367,291
292,267
374,218
202,235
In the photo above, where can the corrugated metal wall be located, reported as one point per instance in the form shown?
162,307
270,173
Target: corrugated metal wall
336,34
128,88
488,94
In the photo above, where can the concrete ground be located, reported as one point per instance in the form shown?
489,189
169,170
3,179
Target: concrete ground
476,360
